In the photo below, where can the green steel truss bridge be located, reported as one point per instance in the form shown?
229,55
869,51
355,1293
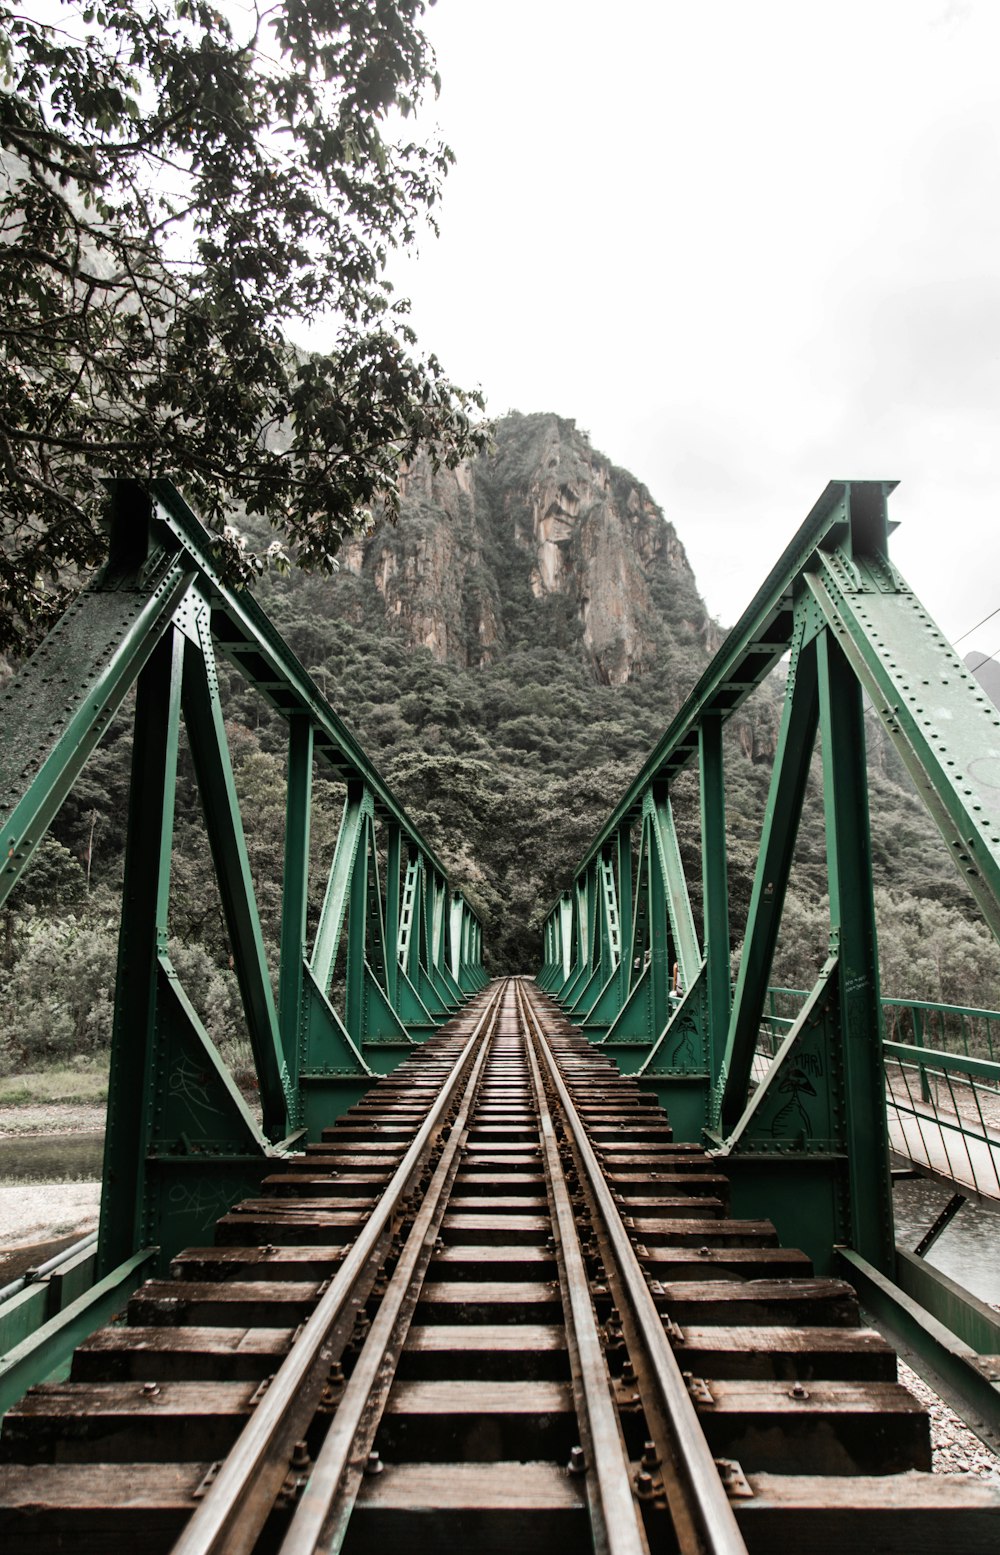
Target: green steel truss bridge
793,1106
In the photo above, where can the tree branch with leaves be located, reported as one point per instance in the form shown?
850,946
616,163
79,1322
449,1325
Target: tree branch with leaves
177,188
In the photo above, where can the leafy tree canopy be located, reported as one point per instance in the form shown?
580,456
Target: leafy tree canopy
176,186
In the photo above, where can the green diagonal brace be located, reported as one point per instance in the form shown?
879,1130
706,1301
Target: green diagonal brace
663,832
357,807
210,752
796,739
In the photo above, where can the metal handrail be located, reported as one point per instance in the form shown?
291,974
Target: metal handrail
965,1022
42,1270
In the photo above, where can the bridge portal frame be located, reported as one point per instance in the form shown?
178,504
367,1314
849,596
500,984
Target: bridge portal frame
181,1144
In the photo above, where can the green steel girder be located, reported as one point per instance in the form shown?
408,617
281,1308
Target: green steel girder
852,933
206,730
950,1337
853,627
295,902
754,646
181,1143
359,806
566,933
49,1346
715,882
666,860
944,725
796,740
170,1097
57,708
613,975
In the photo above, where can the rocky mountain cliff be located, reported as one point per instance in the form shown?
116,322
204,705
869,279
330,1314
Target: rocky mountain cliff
541,538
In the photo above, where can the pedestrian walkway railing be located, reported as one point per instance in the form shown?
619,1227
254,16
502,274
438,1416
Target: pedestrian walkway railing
942,1083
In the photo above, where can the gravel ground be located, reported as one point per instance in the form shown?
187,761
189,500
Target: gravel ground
957,1450
43,1212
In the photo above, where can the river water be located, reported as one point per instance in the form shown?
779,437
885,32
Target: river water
51,1157
968,1251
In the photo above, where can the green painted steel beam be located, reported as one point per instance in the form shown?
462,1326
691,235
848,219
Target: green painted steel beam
52,1344
56,709
145,905
245,634
789,776
295,898
755,644
357,807
394,854
971,1380
715,883
666,855
852,924
206,729
626,889
938,716
565,910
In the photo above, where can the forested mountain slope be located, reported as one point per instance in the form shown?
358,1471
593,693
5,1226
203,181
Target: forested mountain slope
507,654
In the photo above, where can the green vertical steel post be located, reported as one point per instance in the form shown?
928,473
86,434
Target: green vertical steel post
452,991
796,740
336,899
625,909
565,936
408,943
453,919
210,752
658,919
295,897
590,939
581,958
431,935
357,938
715,884
852,920
666,847
145,903
394,854
547,957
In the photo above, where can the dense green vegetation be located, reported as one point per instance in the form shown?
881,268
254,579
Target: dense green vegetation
181,184
507,767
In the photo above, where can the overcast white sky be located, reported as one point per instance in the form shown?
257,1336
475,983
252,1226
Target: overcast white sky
749,247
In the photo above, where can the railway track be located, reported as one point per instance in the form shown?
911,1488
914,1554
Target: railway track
495,1307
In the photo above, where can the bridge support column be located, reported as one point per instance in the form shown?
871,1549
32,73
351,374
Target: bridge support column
181,1144
853,933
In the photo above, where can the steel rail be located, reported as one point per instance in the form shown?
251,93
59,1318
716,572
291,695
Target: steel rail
238,1502
324,1510
616,1525
703,1519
